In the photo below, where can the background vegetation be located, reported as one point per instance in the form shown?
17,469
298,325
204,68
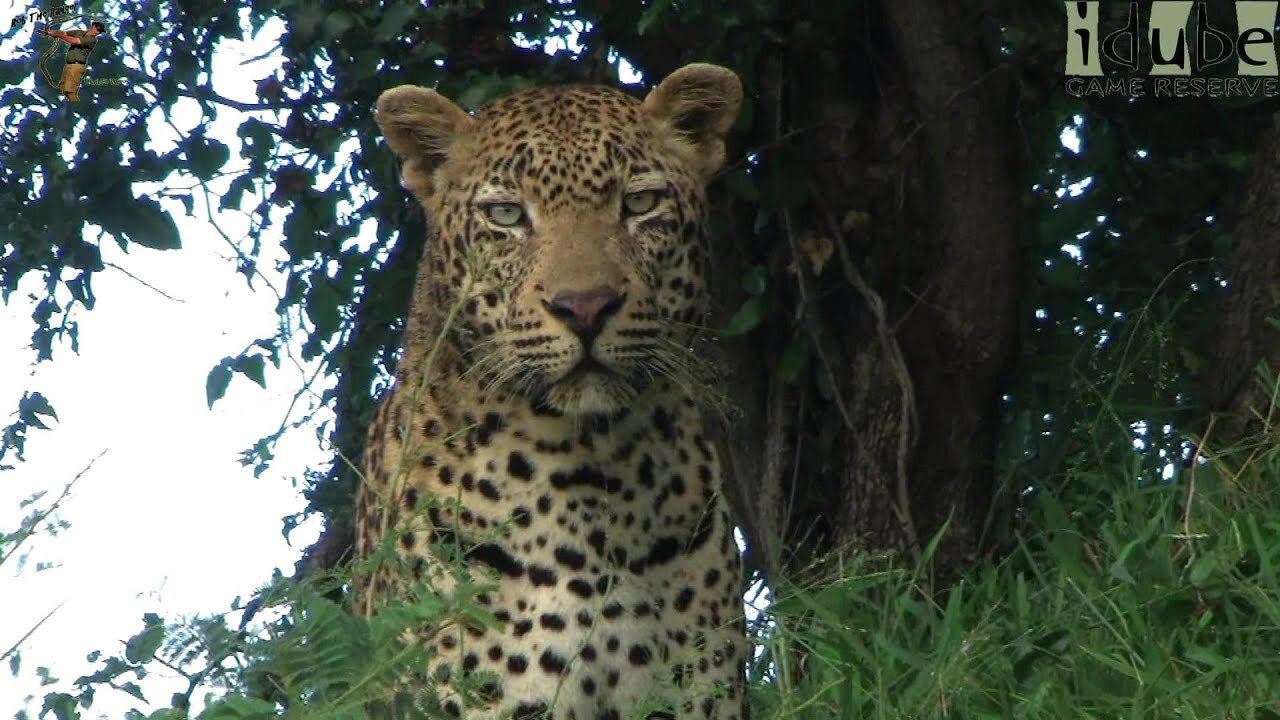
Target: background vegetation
1009,352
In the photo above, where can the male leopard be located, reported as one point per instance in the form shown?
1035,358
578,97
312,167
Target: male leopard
542,424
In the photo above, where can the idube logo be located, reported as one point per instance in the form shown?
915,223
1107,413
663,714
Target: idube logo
1182,45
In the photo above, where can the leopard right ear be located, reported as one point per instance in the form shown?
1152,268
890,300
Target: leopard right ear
420,125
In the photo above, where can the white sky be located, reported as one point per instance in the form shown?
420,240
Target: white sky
167,521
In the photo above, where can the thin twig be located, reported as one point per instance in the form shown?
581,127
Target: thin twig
1191,493
29,527
14,648
142,282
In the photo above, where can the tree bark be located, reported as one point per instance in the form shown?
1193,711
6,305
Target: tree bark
915,197
1248,334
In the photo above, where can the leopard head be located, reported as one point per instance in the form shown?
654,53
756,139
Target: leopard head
567,230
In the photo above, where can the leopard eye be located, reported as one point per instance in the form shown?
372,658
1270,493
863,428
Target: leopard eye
640,202
504,214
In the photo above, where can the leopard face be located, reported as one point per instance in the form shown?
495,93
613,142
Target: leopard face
568,225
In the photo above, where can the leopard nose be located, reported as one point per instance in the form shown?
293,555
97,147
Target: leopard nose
585,313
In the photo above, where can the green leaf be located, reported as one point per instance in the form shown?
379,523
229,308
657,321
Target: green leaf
1121,573
748,316
206,157
755,280
1202,569
652,15
235,191
142,647
142,221
794,359
62,705
742,185
252,367
394,18
240,708
336,23
38,404
258,139
322,305
215,386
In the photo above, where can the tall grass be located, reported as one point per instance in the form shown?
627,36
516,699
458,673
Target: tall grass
1156,600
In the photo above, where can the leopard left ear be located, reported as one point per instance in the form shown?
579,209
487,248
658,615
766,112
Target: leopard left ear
700,102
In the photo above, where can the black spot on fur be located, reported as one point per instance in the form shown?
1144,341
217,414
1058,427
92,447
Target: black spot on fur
662,421
663,550
581,588
570,558
518,466
639,655
618,556
596,540
645,473
586,475
521,516
488,489
551,662
712,577
490,692
497,558
539,576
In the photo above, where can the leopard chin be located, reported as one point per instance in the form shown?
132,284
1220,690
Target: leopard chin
592,392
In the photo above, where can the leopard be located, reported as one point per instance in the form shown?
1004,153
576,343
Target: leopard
544,430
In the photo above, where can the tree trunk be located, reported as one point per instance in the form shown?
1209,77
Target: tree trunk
1248,334
905,264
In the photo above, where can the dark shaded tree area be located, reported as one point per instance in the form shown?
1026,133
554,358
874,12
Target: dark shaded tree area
911,347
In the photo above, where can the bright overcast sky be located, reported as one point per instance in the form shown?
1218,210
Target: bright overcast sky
167,520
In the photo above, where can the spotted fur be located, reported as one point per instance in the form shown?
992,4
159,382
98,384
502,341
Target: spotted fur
543,425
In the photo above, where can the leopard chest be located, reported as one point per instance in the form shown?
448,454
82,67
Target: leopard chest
606,546
560,502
